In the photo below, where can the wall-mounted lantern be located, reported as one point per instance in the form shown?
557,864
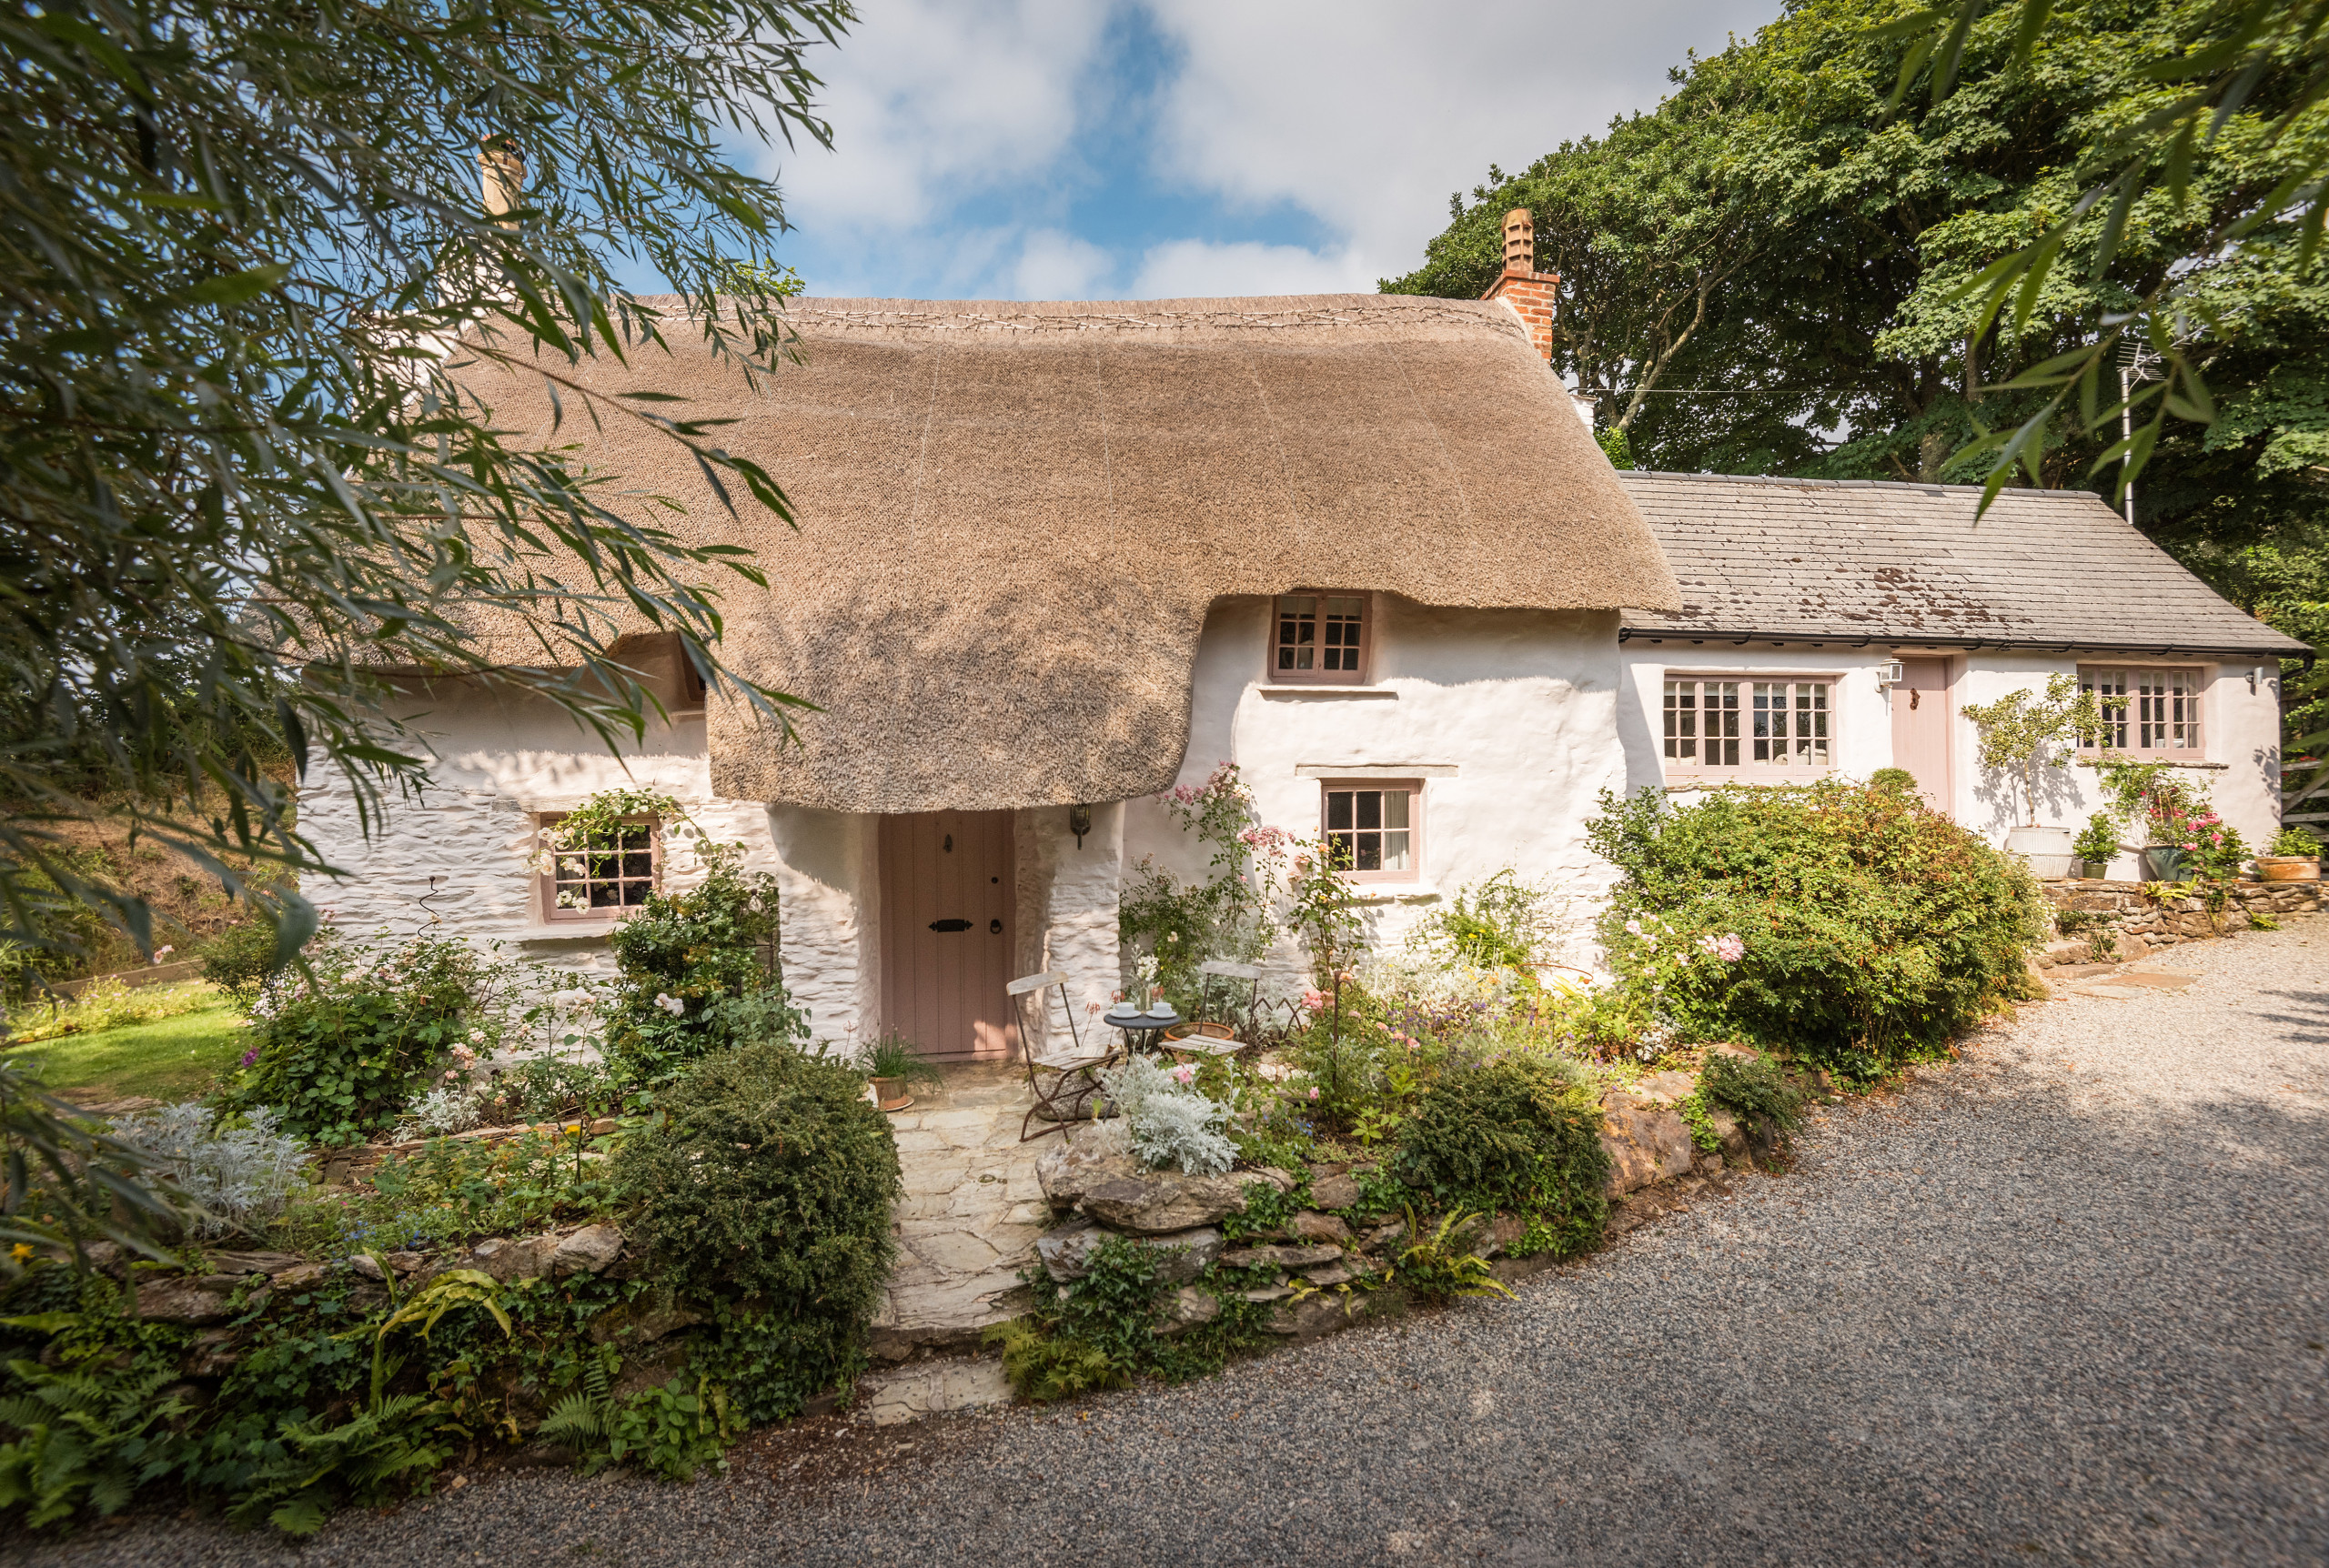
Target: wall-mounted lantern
1079,822
1889,674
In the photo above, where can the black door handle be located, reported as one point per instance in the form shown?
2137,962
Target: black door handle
995,926
949,925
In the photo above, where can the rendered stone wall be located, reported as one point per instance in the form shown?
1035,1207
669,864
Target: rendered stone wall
1509,718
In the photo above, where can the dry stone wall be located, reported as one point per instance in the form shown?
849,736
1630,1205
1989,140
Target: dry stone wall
2104,924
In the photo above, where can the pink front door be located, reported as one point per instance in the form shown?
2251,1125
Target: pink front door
946,937
1921,728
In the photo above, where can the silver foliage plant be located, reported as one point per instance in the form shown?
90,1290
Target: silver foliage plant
236,1175
1172,1127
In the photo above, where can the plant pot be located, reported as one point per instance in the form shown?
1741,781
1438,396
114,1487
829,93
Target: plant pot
2287,868
2047,849
890,1093
2164,863
2093,871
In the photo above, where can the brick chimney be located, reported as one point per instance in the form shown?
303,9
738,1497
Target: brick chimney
1532,294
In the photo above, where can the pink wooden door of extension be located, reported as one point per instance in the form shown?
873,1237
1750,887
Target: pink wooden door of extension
1921,728
946,938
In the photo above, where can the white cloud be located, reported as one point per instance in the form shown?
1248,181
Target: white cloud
932,99
1201,269
1056,266
1366,112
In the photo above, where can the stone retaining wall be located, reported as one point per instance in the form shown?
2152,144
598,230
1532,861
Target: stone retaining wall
2139,925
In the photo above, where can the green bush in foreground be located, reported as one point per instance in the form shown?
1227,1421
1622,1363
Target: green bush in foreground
1872,928
1521,1134
767,1186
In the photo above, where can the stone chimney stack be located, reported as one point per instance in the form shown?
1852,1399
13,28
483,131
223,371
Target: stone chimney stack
1531,295
501,175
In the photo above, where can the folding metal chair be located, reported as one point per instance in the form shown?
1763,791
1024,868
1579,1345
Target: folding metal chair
1205,1038
1074,1069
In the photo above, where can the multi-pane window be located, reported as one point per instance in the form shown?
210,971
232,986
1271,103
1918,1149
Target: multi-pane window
1320,636
1712,726
2149,711
612,872
1376,829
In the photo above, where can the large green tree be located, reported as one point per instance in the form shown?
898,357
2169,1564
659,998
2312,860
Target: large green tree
1841,239
247,248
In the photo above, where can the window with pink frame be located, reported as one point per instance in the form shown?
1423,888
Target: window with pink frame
2148,711
1375,827
604,879
1319,637
1743,728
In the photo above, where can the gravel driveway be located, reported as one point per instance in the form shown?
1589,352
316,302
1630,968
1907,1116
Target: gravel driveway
2065,1301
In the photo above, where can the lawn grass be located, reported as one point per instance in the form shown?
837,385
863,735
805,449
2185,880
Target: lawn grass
171,1059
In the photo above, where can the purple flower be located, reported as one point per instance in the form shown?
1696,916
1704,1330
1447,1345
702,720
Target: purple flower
250,1056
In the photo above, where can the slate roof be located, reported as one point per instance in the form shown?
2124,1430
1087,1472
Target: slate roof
1885,562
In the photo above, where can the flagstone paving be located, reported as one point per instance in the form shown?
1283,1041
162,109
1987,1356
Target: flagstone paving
972,1211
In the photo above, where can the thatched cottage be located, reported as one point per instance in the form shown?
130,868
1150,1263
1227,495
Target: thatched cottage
1055,559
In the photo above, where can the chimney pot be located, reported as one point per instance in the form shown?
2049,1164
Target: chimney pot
1520,243
501,174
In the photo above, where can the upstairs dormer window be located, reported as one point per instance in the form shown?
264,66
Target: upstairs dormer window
1320,638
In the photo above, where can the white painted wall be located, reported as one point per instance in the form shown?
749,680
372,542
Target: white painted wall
2243,727
457,857
1509,715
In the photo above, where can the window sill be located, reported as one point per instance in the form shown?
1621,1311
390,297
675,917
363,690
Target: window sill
1753,780
2131,757
1393,892
564,931
1326,688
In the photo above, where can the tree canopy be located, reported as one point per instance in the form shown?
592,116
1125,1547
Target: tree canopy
247,250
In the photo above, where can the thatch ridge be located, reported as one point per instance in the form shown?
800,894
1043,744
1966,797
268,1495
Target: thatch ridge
1014,517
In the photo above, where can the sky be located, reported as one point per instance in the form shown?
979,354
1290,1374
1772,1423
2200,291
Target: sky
1144,149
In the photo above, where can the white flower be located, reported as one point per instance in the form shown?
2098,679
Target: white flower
477,1037
162,952
670,1004
1633,928
755,906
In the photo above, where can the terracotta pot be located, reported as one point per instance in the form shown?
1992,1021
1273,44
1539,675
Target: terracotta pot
2287,868
890,1093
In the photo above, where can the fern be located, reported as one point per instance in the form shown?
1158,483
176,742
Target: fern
87,1441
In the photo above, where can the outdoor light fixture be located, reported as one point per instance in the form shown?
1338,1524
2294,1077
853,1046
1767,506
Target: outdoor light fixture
1889,674
1079,822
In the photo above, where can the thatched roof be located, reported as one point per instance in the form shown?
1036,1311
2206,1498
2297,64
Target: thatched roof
1014,517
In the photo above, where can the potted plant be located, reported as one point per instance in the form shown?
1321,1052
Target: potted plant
2091,850
2295,857
2175,815
893,1066
2022,732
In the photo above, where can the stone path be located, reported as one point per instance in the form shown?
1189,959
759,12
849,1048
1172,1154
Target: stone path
971,1213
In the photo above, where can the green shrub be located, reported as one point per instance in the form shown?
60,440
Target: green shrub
1521,1134
768,1181
341,1048
240,961
2296,841
1752,1086
2099,840
1893,782
1835,918
1100,1330
696,974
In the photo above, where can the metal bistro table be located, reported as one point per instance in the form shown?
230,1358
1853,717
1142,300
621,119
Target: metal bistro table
1147,1025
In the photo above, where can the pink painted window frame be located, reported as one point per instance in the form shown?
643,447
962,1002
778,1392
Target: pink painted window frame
1274,676
546,882
1412,789
2186,710
1743,694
